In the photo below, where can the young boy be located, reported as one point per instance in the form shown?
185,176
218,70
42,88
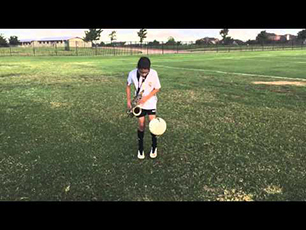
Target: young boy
144,78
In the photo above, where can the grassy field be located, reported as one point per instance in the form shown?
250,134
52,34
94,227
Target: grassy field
65,135
61,51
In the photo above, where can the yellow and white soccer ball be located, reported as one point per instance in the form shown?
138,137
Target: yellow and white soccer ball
157,126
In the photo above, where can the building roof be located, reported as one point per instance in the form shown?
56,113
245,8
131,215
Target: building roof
56,38
65,38
26,40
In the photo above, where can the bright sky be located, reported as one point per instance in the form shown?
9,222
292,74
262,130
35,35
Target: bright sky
152,34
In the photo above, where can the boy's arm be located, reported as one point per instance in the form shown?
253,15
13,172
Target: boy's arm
128,96
145,98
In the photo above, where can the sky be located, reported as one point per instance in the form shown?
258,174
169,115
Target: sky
152,34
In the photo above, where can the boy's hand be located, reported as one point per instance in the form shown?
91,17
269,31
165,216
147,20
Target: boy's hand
143,100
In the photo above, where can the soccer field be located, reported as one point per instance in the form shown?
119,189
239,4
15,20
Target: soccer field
236,125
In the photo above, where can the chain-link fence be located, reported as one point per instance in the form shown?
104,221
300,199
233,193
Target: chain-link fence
146,48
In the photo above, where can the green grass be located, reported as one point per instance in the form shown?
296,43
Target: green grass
65,135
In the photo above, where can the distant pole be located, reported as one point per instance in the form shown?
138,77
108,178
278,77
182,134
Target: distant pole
33,49
162,47
131,48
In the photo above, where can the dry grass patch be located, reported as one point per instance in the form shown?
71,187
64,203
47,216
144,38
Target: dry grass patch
273,189
234,195
295,83
57,104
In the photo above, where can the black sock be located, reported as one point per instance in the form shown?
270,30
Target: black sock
154,141
140,140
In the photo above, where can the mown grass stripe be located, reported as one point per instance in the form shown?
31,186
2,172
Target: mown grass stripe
233,73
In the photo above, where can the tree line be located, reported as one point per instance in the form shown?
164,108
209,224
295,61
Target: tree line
93,35
262,38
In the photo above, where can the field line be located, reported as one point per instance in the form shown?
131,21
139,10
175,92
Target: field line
223,72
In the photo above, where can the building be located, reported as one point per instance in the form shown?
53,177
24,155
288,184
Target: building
273,37
55,42
290,37
238,42
281,38
26,42
207,41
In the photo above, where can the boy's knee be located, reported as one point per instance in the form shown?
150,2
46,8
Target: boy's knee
141,127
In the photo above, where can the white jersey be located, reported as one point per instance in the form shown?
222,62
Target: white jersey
147,84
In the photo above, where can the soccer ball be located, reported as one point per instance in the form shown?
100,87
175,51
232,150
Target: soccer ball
157,126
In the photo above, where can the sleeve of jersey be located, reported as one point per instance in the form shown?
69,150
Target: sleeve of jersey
129,79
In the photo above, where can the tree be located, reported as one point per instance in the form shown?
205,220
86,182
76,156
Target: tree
142,34
112,36
92,35
228,41
13,40
262,37
171,41
224,33
3,41
154,43
302,35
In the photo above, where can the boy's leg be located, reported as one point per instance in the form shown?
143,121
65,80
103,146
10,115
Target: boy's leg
140,132
154,139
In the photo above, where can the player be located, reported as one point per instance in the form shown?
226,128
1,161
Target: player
144,78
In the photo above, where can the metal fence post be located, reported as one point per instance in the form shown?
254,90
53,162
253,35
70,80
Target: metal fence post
162,47
131,50
33,49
